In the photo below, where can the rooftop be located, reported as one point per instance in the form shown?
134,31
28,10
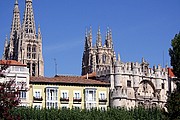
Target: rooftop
73,80
170,72
11,63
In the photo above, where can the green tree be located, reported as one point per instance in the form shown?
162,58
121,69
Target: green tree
173,102
174,53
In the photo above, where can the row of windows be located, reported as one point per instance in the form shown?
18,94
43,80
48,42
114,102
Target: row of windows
52,95
31,47
29,56
31,51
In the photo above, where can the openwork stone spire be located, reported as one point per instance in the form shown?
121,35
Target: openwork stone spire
14,35
28,25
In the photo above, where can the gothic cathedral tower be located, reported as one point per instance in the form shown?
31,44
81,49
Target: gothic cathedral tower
98,57
25,45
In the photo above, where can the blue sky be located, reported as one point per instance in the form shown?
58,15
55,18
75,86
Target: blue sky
140,28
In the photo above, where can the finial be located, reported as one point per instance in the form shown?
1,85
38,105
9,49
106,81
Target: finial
90,30
119,57
16,2
6,41
110,32
86,33
108,29
39,30
99,31
6,37
99,28
143,60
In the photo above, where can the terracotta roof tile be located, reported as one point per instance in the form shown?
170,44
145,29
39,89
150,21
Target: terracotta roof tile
90,75
170,72
11,63
68,80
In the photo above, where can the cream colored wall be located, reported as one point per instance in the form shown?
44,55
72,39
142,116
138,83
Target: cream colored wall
70,90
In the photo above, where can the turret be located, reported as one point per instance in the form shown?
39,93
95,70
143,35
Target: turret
135,77
158,78
108,41
90,37
117,73
111,78
98,40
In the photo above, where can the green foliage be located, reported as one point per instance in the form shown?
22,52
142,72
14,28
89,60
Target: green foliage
93,114
173,104
174,53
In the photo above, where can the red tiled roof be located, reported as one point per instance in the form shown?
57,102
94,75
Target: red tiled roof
11,63
68,80
170,72
90,75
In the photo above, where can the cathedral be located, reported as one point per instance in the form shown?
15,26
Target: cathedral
132,83
25,44
98,56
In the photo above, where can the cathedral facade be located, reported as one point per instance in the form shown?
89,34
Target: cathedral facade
25,44
98,56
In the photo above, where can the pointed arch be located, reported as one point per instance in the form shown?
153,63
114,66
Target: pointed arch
150,83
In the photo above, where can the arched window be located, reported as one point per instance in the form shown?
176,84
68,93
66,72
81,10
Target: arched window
34,48
34,51
104,58
28,51
26,30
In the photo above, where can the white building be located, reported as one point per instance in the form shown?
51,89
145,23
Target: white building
13,70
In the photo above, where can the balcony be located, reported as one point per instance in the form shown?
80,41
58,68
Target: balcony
102,101
64,100
76,100
37,99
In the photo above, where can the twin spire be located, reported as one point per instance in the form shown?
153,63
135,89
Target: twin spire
28,25
28,21
28,29
108,39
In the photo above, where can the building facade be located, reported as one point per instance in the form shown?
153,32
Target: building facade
134,84
13,70
68,92
98,57
25,44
